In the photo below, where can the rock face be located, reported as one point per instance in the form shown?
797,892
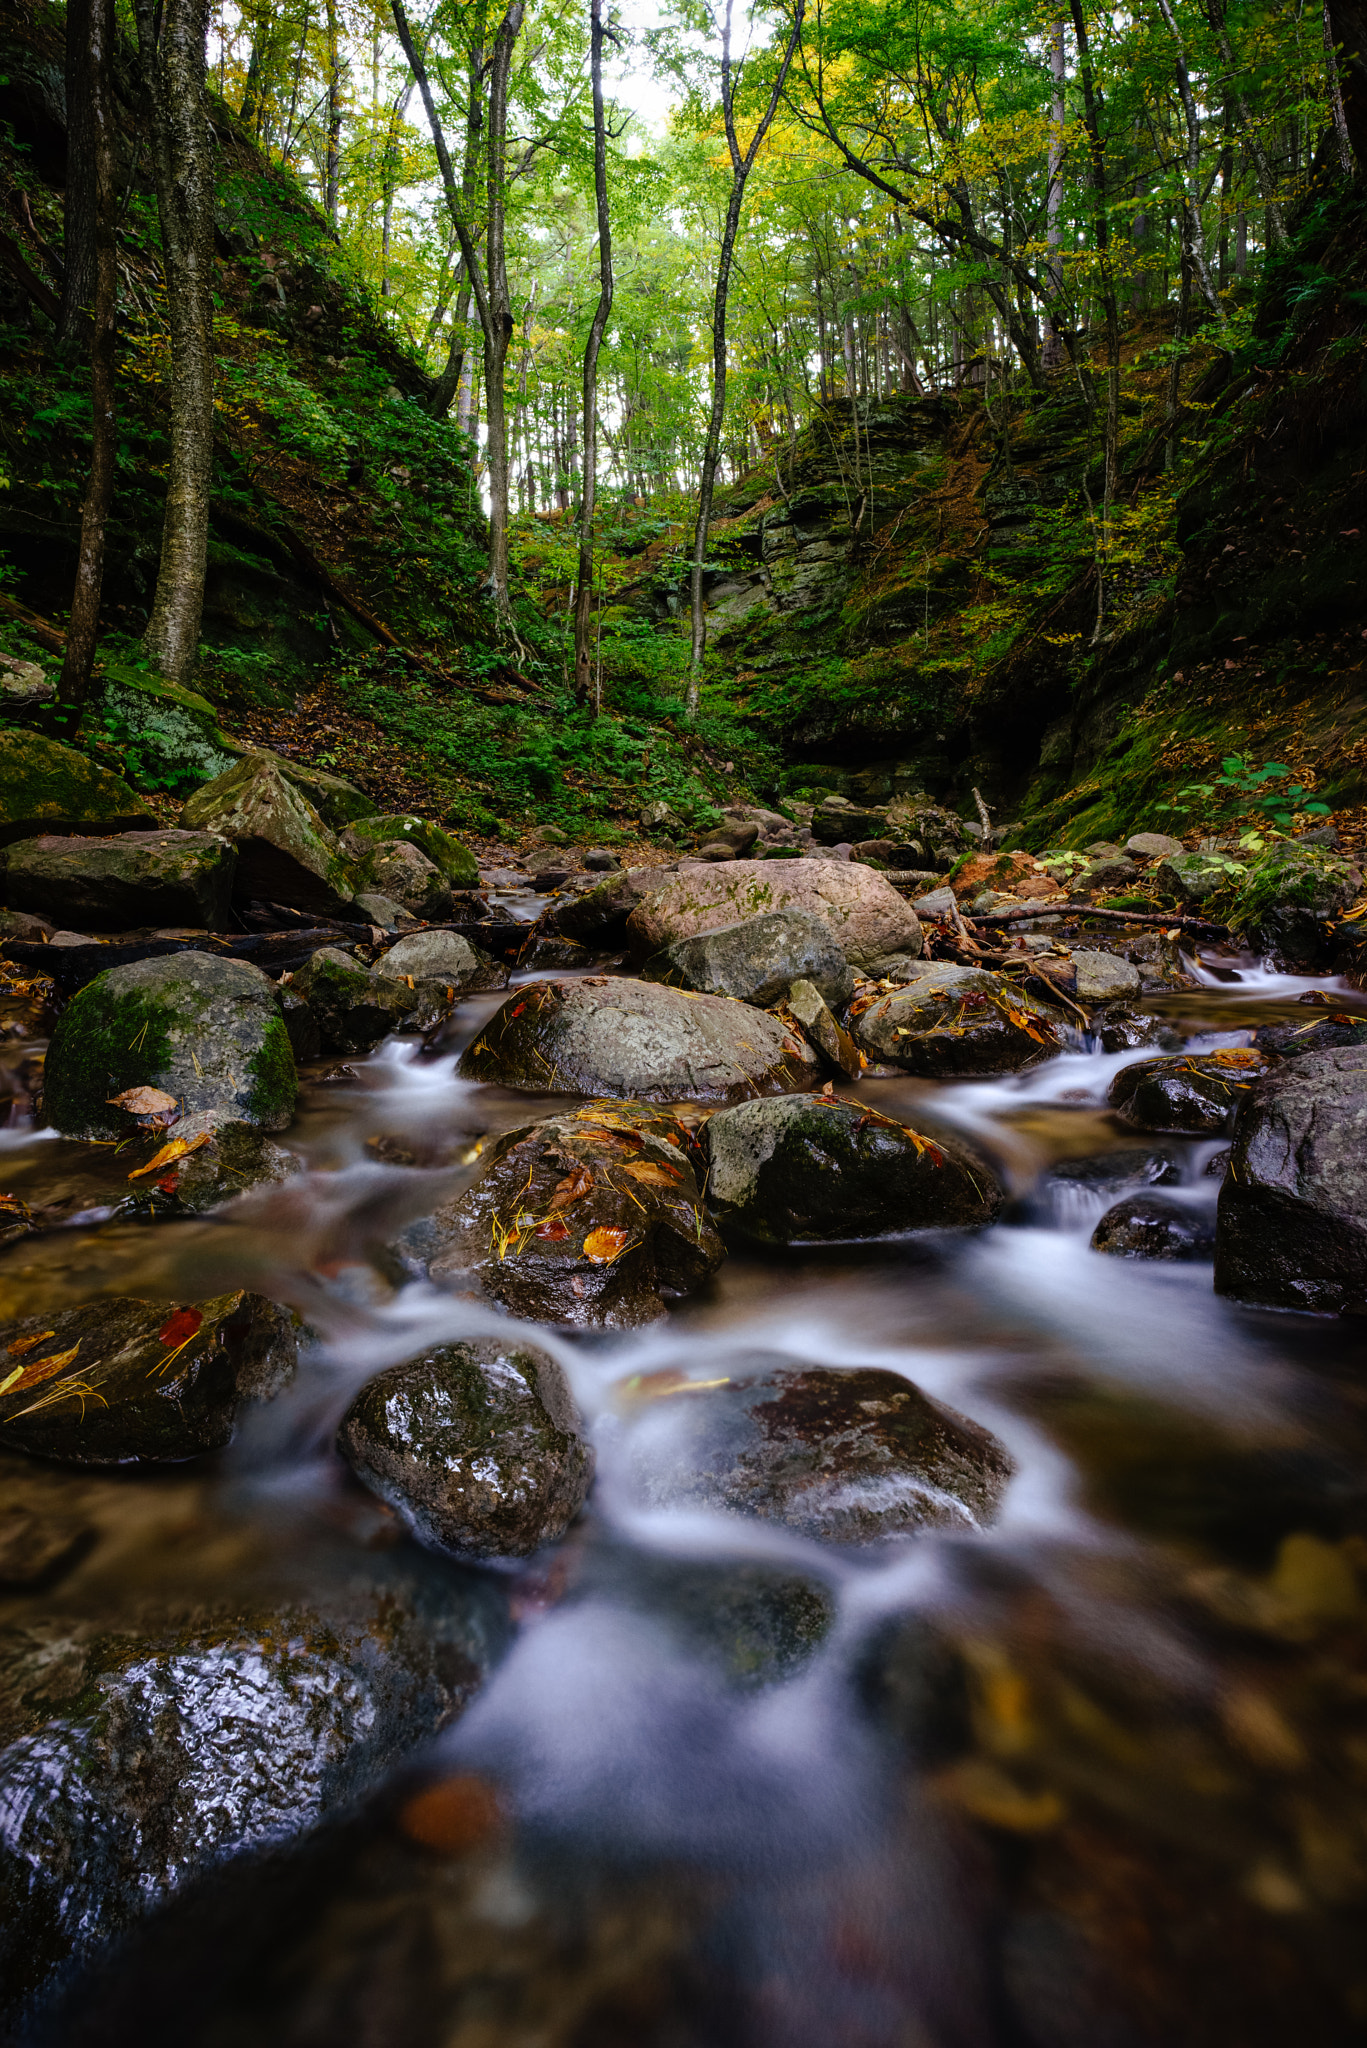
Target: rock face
403,873
595,1218
758,959
477,1446
1147,1227
45,787
136,1763
1102,978
813,1169
845,1457
447,855
1292,1216
954,1020
110,885
865,914
140,1382
609,1036
285,853
205,1030
1199,1092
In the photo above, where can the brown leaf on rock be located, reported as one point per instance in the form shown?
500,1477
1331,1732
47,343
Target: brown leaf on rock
655,1176
555,1228
26,1376
606,1244
571,1188
145,1102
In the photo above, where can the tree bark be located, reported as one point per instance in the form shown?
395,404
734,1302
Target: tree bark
741,165
98,118
583,583
1331,73
1348,31
332,162
173,63
84,103
1053,268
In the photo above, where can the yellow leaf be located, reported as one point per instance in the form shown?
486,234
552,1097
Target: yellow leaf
179,1148
653,1175
26,1376
23,1344
605,1245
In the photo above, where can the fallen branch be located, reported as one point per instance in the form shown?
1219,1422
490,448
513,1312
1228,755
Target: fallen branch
17,264
42,630
1185,924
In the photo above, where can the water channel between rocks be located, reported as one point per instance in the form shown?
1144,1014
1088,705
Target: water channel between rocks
1093,1775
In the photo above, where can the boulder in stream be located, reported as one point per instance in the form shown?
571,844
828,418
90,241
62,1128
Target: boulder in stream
477,1446
855,1456
447,855
126,1382
864,913
812,1169
285,853
1148,1227
1198,1092
757,959
609,1036
441,961
1191,879
205,1030
400,871
1287,900
352,1005
1102,977
594,1219
954,1020
136,878
1292,1215
599,916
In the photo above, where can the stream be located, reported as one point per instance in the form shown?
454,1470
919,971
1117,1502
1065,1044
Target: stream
1094,1776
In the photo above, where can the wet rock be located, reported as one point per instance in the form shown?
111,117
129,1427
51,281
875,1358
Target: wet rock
548,953
1292,1216
864,913
859,1456
46,787
405,875
599,916
382,911
758,1622
812,1169
604,1035
443,959
1290,1040
1103,977
1201,1092
807,1009
109,885
138,1762
1193,877
301,1026
477,1446
1147,1227
594,1219
1153,846
757,959
1129,1030
222,1158
206,1030
1074,1188
447,855
24,685
1159,960
285,853
954,1020
1286,900
124,1382
352,1006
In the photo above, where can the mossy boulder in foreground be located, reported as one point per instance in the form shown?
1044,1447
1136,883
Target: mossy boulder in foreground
205,1030
45,787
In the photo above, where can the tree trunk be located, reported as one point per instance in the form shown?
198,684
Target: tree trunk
182,162
1331,74
1053,269
333,156
1267,184
97,117
1193,231
1347,30
583,584
84,100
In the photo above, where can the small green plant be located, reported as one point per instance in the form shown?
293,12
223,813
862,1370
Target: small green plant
1278,805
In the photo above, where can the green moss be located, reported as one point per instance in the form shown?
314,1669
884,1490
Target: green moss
275,1083
45,787
98,1049
1300,877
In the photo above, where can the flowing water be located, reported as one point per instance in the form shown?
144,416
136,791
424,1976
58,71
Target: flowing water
1094,1775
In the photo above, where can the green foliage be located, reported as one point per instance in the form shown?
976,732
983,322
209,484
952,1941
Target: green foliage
1250,788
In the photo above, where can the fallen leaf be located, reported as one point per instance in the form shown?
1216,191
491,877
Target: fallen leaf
180,1327
605,1245
23,1344
179,1148
654,1176
572,1188
1235,1056
26,1376
555,1228
454,1814
143,1101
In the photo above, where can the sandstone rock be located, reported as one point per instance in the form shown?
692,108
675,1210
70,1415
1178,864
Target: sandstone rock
402,872
1148,1227
447,855
608,1036
1153,845
954,1020
477,1446
757,959
1292,1217
859,1456
285,853
811,1169
1199,1092
591,1219
206,1030
865,914
127,1382
45,787
109,885
1103,977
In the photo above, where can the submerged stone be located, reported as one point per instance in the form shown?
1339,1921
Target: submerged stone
1147,1227
1200,1092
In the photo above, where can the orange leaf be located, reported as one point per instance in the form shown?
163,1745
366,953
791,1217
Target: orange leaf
554,1227
143,1101
572,1188
605,1245
23,1344
178,1148
454,1814
180,1327
41,1369
653,1175
1235,1056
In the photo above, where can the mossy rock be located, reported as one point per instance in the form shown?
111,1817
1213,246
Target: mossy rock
338,802
206,1030
1294,877
46,787
446,854
171,734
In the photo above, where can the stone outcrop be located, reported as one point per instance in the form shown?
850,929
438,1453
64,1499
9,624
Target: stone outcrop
151,879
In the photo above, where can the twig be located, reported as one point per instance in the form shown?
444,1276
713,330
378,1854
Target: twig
1186,924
